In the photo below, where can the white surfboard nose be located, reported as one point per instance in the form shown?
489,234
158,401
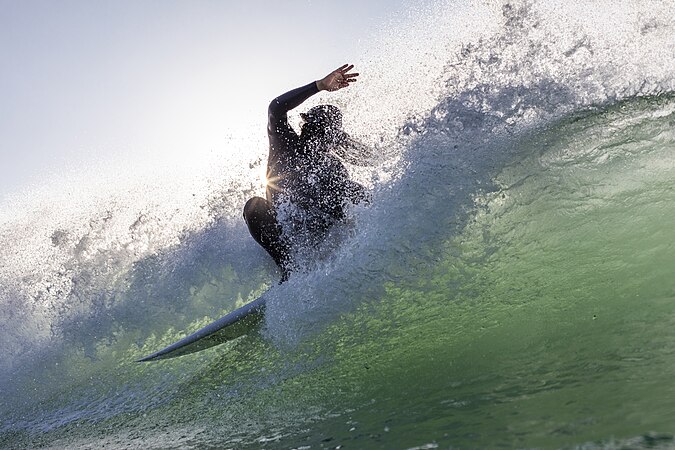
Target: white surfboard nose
232,326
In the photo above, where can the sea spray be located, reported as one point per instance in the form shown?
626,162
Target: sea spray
511,283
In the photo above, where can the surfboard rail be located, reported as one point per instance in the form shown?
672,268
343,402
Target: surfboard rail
229,327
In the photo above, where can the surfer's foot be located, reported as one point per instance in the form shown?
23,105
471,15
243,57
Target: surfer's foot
284,275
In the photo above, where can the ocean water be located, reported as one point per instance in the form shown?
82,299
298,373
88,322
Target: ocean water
511,285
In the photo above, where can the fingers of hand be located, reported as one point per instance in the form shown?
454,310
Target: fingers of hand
344,68
341,77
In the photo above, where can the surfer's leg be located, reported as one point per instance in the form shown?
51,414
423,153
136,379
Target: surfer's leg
263,226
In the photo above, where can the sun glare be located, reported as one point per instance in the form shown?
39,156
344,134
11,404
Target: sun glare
262,175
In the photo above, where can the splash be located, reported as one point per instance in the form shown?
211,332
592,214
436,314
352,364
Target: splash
518,212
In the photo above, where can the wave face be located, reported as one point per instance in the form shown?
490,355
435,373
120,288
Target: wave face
511,284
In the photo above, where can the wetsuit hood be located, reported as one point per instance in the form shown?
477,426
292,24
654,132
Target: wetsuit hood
324,115
322,129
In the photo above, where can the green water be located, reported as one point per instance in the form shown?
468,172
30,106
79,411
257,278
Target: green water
548,322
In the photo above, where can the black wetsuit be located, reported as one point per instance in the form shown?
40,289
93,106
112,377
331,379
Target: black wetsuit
300,171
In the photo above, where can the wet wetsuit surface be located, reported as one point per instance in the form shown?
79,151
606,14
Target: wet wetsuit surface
285,146
303,173
298,171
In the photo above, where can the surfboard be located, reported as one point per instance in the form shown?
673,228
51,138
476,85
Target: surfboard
236,324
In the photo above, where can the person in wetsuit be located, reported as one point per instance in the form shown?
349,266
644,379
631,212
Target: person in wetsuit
303,171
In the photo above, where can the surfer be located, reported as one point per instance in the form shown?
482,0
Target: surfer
305,177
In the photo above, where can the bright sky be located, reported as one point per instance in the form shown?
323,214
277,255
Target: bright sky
89,80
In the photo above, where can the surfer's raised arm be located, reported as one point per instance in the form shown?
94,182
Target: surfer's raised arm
280,106
337,79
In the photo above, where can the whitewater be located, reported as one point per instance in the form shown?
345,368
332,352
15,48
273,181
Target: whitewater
512,283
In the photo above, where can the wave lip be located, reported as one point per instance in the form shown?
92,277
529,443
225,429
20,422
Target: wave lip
522,208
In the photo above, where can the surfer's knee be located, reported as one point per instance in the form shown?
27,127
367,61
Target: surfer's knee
264,228
254,208
261,221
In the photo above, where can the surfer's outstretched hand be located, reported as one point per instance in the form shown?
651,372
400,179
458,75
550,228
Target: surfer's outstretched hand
337,79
